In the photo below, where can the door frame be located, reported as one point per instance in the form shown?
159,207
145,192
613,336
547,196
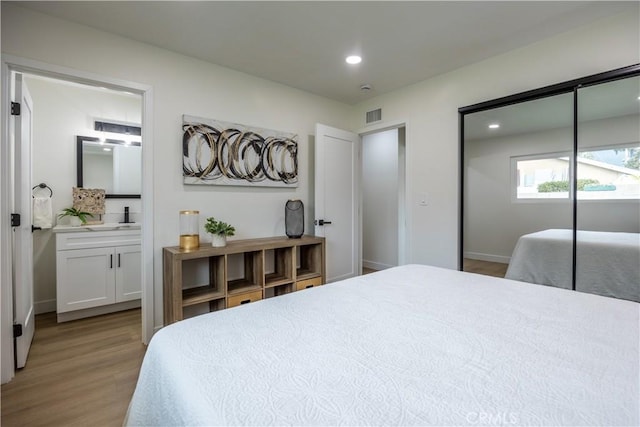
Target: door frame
22,65
404,243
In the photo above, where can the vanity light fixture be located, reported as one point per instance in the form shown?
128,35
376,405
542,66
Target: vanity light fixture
353,59
494,126
126,129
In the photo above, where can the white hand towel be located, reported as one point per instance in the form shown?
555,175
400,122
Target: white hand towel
42,212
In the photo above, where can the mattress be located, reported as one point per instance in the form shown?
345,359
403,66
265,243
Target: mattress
608,263
411,345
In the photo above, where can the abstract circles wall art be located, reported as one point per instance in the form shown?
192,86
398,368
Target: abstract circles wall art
222,153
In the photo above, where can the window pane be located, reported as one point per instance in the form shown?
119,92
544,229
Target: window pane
611,173
543,178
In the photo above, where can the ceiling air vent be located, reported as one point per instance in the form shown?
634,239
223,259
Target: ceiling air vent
374,115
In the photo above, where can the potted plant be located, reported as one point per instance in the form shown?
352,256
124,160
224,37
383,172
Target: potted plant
219,231
76,216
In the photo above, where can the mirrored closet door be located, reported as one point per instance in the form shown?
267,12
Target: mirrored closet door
550,185
517,169
608,189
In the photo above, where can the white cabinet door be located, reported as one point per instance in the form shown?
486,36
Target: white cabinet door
85,278
128,273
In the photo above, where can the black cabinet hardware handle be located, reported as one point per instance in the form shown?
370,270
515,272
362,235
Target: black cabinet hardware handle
310,286
111,261
247,301
118,260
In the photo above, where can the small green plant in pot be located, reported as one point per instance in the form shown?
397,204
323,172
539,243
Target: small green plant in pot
219,231
76,216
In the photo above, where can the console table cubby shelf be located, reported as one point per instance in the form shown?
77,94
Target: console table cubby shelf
271,267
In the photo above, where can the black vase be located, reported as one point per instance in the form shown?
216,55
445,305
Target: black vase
294,218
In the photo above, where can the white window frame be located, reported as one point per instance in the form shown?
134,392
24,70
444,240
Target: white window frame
513,180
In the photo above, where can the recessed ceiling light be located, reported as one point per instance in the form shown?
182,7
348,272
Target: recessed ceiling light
494,126
353,59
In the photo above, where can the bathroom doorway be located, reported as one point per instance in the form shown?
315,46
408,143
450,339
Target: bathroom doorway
63,111
65,106
383,198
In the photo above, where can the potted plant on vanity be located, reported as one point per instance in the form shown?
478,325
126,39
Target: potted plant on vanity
219,231
76,216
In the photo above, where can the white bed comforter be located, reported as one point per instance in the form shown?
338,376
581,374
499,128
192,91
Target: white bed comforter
412,345
608,264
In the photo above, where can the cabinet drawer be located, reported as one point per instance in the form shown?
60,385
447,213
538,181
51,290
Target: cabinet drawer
309,283
244,298
97,239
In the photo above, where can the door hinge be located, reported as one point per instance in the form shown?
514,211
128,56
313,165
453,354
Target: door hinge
17,330
15,220
15,108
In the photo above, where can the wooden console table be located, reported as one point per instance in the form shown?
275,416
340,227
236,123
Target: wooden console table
297,264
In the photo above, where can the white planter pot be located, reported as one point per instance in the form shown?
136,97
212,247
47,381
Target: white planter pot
218,241
74,221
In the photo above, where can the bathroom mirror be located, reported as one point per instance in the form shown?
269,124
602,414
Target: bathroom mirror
112,165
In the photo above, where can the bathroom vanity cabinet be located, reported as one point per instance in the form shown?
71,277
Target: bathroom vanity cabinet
99,270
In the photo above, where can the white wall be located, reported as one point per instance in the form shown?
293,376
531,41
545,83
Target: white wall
101,170
126,159
183,85
493,221
380,199
430,111
60,113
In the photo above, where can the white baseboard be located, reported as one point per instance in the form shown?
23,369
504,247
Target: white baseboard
97,311
46,306
487,257
375,265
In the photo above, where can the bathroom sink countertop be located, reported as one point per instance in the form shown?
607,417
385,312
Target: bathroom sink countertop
97,227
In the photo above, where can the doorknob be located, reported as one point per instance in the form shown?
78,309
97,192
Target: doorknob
322,222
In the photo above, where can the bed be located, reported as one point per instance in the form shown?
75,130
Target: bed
412,345
608,263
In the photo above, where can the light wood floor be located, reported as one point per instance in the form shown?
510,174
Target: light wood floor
79,373
487,268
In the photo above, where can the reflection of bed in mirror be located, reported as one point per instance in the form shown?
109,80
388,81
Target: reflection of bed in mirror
607,263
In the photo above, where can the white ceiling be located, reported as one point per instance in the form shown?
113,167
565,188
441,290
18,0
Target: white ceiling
303,44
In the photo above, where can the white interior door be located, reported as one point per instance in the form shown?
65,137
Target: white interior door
23,312
336,200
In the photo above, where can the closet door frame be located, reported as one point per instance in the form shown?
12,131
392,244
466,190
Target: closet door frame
544,92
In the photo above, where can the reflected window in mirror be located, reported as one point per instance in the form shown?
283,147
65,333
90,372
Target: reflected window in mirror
109,164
